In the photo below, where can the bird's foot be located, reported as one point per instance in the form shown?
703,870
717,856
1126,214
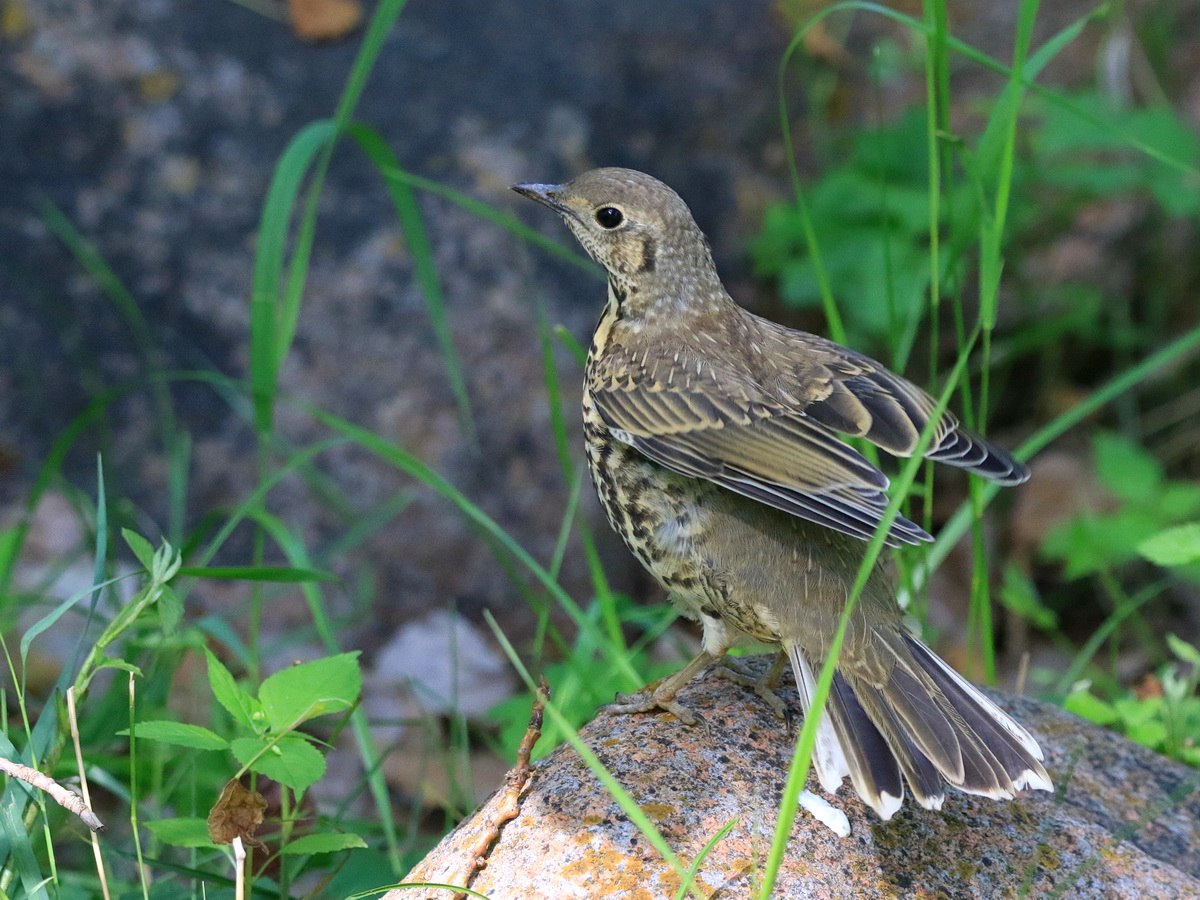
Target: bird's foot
662,695
762,685
652,699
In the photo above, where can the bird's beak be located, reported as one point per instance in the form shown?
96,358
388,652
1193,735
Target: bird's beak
546,194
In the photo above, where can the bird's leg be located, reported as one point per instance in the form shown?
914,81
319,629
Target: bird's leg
763,685
662,695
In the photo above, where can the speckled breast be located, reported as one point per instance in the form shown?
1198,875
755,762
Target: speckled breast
662,518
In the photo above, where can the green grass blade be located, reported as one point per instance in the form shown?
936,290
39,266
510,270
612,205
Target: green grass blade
275,304
21,854
267,322
504,220
694,868
274,574
411,221
833,318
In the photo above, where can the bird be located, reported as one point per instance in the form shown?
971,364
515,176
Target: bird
713,437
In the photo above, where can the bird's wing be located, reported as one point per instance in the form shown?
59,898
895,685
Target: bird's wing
763,423
722,426
853,394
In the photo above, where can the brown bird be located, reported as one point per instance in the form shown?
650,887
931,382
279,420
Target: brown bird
711,435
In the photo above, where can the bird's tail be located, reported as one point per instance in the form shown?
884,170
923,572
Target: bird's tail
926,727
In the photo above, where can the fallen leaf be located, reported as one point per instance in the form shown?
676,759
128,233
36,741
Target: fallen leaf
324,20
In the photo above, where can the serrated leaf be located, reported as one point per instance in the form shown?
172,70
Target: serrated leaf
236,701
1178,546
323,843
311,689
183,832
292,761
142,548
180,734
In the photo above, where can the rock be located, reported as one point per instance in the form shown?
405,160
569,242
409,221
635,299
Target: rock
1123,821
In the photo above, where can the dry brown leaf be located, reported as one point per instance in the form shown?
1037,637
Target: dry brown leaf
324,20
237,813
1150,686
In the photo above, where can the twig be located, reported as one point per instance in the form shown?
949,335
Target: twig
65,798
508,804
1022,672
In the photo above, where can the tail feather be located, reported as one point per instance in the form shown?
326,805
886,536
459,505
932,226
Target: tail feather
874,768
922,776
828,758
926,727
930,725
1014,749
849,744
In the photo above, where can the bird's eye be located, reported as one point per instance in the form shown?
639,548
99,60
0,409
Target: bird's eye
609,217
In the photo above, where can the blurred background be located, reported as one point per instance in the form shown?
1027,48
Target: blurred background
160,169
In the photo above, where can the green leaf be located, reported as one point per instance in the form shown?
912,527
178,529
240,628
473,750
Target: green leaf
1088,706
1135,711
1151,733
142,548
1020,595
245,709
1125,468
111,662
1183,650
312,689
1176,546
1179,500
46,622
10,543
183,832
180,734
323,843
170,609
292,761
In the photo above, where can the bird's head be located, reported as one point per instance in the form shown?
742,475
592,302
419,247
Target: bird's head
637,228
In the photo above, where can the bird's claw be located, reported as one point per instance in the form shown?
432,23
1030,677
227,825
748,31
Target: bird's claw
761,685
650,700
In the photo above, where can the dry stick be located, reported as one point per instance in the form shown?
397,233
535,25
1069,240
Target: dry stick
65,798
508,806
87,798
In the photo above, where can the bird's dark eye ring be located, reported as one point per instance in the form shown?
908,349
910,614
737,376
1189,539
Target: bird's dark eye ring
609,217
